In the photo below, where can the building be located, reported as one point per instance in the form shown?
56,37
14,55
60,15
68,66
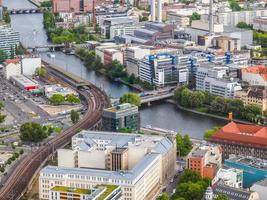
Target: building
255,96
50,90
109,52
132,56
231,193
234,138
121,116
163,69
30,64
254,169
206,160
226,44
151,162
182,19
231,177
23,82
255,75
100,192
12,68
261,188
213,79
247,16
9,39
260,23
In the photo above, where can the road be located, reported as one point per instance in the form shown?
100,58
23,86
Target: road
17,183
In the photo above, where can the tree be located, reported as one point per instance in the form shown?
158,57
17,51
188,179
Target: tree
57,99
132,98
41,71
2,117
164,196
234,5
3,55
71,98
190,176
12,52
251,112
21,151
184,144
195,16
32,132
221,197
74,116
210,132
244,25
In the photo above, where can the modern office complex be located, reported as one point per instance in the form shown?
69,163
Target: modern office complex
121,116
242,139
139,164
9,39
162,70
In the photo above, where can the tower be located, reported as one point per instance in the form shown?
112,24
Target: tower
209,194
159,11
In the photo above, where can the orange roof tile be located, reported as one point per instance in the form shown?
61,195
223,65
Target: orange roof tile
14,61
242,133
258,69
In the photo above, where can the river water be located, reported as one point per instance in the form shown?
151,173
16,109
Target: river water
162,115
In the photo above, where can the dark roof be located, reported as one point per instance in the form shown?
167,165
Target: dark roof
257,92
232,193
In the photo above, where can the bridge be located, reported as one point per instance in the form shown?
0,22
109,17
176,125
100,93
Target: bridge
51,47
25,11
161,94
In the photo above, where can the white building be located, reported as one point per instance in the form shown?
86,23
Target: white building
109,52
260,23
30,64
162,69
261,188
231,177
140,164
255,75
212,79
50,90
9,39
12,68
132,55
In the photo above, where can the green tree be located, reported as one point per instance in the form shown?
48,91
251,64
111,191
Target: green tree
21,151
251,112
32,132
195,16
132,98
71,98
2,117
184,144
219,105
234,5
210,132
57,99
164,196
3,55
46,4
74,116
6,17
221,197
244,25
41,71
12,52
190,176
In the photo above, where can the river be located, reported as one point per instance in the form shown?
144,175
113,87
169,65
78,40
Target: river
162,115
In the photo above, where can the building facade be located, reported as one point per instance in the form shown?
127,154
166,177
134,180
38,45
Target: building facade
121,116
242,139
255,75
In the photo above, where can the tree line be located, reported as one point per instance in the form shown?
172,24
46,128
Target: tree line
207,102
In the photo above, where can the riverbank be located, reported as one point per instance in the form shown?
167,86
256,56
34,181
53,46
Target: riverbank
206,114
37,3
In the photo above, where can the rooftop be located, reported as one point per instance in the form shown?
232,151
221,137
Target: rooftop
259,69
242,133
72,190
121,107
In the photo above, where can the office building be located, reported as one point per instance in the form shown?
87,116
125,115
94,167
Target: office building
162,70
254,96
254,169
30,64
9,39
255,75
231,177
109,52
148,163
122,116
234,138
206,160
213,79
23,82
132,56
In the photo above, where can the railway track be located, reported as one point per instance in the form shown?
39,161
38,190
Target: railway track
18,182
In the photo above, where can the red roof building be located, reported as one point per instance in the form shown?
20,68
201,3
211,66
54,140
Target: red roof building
250,140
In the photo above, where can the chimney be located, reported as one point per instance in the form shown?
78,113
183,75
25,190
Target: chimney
159,11
211,23
152,10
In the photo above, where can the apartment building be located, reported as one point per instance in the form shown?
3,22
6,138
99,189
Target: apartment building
238,139
150,162
9,39
255,75
163,69
109,52
254,95
206,160
213,79
122,116
260,23
231,177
